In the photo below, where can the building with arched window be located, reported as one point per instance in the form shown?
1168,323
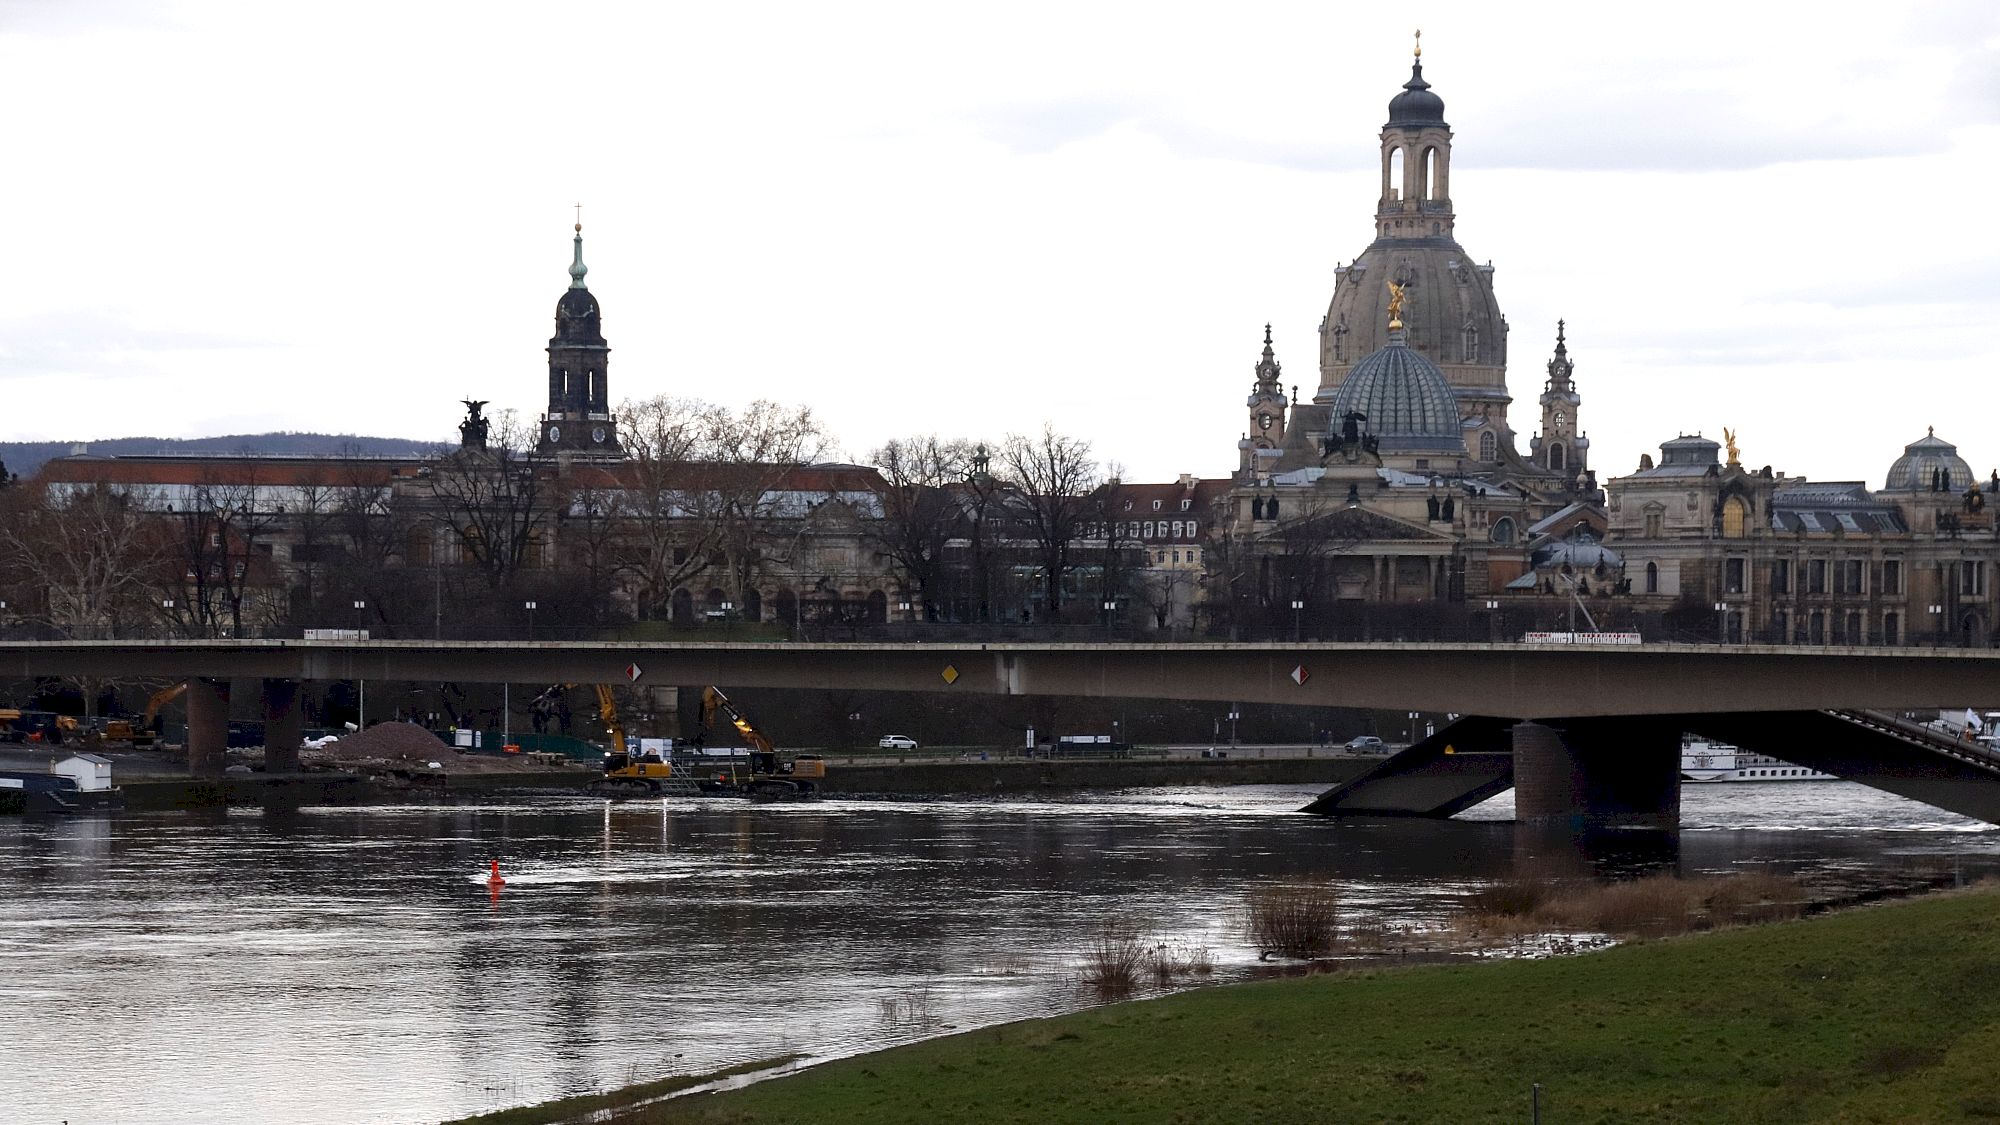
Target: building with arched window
1400,479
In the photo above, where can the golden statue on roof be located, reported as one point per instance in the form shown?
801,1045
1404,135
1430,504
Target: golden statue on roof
1395,306
1729,439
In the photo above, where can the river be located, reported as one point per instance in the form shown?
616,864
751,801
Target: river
341,964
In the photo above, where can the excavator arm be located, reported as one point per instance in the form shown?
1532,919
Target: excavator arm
607,710
713,701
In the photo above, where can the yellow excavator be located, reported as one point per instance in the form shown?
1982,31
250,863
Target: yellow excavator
625,772
771,775
142,734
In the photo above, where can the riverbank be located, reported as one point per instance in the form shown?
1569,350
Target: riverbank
858,778
1882,1013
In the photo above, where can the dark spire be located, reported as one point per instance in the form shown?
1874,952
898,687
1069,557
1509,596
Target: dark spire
1416,105
1268,366
1560,367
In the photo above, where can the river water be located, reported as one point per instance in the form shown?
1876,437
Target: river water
340,964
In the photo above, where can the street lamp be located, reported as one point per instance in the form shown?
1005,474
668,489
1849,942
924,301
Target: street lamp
1937,616
728,608
1298,607
530,607
904,608
1721,623
1492,621
361,703
1110,607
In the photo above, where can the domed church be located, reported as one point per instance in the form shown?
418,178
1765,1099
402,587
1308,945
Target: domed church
1401,480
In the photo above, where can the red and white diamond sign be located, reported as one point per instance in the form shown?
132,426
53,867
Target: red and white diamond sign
633,672
1301,674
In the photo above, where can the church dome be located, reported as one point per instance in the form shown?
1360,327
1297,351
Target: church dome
1408,403
1914,470
1416,105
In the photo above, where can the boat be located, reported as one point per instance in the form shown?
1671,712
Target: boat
1703,761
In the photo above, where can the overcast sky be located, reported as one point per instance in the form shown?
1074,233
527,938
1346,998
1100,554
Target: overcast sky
929,217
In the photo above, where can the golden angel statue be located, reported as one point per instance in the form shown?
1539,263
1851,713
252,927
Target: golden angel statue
1395,305
1729,439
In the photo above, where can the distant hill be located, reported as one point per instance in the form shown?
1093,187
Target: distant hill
23,458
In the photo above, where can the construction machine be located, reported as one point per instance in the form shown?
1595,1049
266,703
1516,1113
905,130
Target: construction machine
771,774
627,774
144,732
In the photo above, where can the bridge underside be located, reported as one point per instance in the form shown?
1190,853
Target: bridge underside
1625,772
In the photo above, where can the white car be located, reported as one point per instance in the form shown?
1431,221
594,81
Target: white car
896,742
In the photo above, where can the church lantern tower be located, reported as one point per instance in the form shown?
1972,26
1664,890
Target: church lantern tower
1560,447
578,421
1450,315
1268,404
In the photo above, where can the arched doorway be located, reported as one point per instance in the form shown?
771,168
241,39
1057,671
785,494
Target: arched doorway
878,607
753,606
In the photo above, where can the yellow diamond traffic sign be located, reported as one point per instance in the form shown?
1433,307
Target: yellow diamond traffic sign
950,674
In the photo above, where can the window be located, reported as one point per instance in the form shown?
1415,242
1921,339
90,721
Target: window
1971,577
1186,504
1732,576
1159,556
1892,578
1781,576
1503,530
1556,456
1177,529
1652,578
1891,626
1128,505
1489,447
1146,530
1735,514
1816,577
1816,628
1854,635
1190,532
1780,623
1847,576
1156,505
1655,519
1177,558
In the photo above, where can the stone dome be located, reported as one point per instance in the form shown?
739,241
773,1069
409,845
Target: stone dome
1912,471
1408,402
1416,105
1450,315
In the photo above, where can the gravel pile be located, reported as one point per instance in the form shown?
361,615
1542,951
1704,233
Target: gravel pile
391,741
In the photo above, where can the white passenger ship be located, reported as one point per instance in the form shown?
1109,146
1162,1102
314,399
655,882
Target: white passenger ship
1704,761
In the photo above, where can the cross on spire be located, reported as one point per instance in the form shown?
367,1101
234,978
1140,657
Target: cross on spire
579,218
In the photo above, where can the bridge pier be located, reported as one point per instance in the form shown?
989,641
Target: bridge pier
1598,773
208,725
284,726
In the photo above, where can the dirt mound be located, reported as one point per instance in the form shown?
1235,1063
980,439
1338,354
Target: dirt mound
391,740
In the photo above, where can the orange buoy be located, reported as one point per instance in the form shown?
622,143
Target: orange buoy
494,880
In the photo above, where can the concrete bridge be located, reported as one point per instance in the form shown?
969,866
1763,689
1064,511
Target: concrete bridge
1598,725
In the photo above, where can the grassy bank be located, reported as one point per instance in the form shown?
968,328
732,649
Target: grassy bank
1888,1014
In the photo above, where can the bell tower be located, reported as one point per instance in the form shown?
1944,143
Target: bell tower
1416,162
1560,447
578,421
1267,403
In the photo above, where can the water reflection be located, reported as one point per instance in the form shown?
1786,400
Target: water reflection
229,953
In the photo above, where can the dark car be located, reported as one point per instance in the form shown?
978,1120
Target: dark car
1367,744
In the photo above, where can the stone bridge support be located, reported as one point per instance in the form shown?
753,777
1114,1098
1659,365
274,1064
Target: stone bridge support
284,726
208,725
1598,773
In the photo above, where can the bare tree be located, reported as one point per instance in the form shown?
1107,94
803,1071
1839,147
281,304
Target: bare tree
700,491
1055,476
86,557
921,511
218,570
491,501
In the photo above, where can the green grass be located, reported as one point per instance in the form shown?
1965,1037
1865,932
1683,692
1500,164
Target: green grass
1882,1014
583,1105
